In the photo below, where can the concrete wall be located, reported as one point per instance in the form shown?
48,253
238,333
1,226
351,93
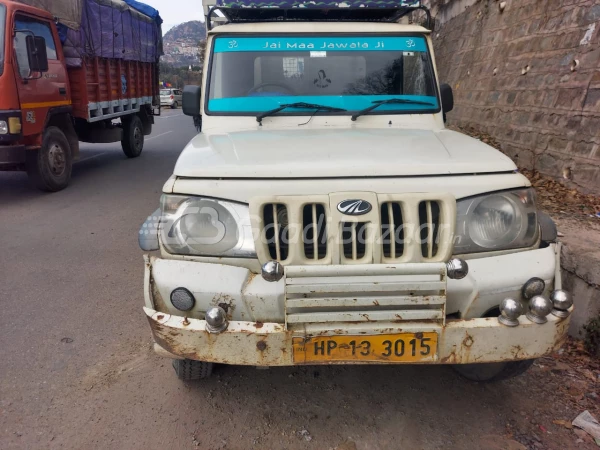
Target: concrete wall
581,273
514,77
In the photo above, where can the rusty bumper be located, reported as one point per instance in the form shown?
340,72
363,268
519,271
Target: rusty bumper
270,344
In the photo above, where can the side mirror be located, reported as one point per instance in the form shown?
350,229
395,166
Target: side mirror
36,53
447,98
191,100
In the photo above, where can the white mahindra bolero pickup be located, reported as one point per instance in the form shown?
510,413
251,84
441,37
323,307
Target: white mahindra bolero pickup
324,215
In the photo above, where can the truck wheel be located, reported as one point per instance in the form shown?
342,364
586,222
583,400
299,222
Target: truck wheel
49,168
133,136
491,372
190,370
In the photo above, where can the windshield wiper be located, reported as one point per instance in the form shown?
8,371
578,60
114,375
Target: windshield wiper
260,117
398,101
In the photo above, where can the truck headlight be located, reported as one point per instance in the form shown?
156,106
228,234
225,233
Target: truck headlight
205,227
496,221
3,127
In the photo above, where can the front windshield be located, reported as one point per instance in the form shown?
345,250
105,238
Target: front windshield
250,75
2,27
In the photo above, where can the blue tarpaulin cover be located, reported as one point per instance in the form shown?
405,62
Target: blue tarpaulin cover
145,9
318,4
119,29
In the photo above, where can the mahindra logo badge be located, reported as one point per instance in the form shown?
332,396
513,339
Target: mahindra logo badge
354,207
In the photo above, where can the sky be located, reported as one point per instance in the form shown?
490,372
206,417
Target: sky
175,12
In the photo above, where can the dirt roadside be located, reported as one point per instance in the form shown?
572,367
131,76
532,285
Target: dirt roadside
132,399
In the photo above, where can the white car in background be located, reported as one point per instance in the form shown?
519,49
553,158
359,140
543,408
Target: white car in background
170,97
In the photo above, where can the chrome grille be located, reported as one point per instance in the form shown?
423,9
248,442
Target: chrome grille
310,230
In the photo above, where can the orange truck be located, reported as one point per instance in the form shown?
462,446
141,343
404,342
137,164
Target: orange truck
74,71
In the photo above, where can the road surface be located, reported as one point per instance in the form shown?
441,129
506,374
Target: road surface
77,370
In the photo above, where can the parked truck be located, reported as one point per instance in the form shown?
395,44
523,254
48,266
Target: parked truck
325,214
71,71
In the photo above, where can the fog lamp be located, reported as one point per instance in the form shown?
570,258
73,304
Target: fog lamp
534,286
216,320
14,125
539,308
272,271
510,311
182,299
457,268
562,301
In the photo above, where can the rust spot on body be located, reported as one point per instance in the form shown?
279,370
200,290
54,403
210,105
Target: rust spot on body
516,350
251,277
261,345
160,317
451,358
468,341
258,325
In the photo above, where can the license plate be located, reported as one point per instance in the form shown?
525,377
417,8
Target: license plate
404,347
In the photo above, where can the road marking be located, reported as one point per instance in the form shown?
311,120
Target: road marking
90,157
169,117
158,135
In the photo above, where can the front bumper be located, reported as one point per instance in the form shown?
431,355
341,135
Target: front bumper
270,344
262,330
12,156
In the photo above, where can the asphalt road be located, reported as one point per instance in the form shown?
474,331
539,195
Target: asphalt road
77,370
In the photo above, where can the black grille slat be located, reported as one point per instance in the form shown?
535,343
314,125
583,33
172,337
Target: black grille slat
314,226
429,226
276,230
392,230
354,240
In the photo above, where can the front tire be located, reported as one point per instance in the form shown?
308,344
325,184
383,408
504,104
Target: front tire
50,167
133,136
190,370
492,372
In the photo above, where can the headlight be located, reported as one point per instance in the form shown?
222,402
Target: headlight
497,221
205,227
3,127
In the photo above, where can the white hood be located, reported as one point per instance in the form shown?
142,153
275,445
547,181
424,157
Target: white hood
332,153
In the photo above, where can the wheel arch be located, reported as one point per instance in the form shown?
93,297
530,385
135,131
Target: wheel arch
147,118
61,117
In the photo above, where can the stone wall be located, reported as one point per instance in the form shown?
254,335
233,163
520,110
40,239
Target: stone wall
528,75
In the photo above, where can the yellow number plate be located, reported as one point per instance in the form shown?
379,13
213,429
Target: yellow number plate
404,347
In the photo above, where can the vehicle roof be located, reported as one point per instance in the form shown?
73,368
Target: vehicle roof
318,27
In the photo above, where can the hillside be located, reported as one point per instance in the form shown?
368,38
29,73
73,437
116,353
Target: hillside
181,44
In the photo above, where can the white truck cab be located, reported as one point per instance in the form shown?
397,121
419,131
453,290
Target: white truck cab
325,215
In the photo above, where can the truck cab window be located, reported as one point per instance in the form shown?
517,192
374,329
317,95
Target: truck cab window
38,28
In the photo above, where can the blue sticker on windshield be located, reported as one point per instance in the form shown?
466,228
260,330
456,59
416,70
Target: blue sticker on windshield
348,102
325,43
